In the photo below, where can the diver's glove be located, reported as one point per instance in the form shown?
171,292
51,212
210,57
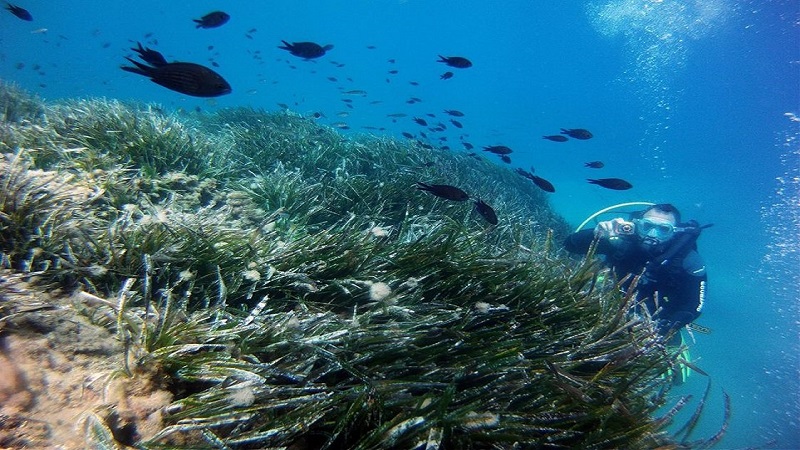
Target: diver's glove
665,327
613,230
675,321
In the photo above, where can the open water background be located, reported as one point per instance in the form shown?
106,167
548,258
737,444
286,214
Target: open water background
693,102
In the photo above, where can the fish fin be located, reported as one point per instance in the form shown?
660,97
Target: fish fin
150,56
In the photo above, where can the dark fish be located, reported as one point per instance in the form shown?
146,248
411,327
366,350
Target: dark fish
307,50
454,112
498,149
213,20
186,78
420,121
537,180
408,135
446,75
486,211
556,138
455,61
505,158
19,12
577,133
542,183
524,173
467,145
456,123
618,184
444,191
594,164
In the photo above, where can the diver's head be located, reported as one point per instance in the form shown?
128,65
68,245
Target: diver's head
657,225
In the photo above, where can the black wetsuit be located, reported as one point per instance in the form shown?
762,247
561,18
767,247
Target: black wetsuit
680,281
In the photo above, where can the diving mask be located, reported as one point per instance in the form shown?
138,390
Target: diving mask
654,231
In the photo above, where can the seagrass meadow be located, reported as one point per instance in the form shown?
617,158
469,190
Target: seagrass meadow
286,286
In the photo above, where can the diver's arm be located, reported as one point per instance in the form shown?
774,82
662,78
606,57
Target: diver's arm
579,242
695,283
688,294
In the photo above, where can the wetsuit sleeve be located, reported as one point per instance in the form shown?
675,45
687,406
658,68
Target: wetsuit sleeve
695,284
686,295
580,242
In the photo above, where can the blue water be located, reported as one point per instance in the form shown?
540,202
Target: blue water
691,101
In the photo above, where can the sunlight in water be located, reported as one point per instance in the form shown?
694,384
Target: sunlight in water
782,219
657,35
780,266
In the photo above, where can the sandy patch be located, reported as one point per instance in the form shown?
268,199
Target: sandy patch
56,367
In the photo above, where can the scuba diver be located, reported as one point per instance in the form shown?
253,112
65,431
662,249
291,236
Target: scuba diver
657,245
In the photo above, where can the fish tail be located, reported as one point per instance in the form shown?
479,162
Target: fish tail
138,48
423,187
140,68
132,69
